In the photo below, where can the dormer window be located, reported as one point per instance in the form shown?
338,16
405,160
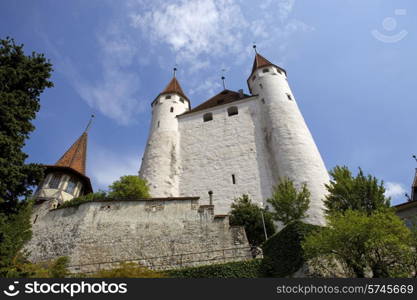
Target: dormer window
266,70
72,183
54,182
207,117
168,97
231,111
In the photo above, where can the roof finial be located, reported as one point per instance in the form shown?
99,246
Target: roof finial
223,78
254,47
415,157
89,123
175,69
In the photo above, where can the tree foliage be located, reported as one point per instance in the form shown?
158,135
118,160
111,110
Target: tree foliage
247,214
289,204
128,270
361,244
129,186
364,193
22,80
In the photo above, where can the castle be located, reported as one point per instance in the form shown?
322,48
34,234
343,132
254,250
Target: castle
197,161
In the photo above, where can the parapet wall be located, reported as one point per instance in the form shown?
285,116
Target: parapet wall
160,233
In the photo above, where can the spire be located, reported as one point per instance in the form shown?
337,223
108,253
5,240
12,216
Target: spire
174,87
260,62
76,156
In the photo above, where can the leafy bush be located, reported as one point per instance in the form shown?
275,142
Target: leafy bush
249,215
100,195
57,268
130,186
289,203
128,270
240,269
283,253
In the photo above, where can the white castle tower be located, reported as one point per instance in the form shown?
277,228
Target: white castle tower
160,162
291,148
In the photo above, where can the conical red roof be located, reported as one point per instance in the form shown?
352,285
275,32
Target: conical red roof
261,62
76,156
174,87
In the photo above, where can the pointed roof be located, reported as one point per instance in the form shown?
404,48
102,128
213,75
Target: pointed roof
261,62
173,87
224,97
75,157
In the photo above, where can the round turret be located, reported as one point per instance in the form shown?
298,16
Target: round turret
160,162
292,150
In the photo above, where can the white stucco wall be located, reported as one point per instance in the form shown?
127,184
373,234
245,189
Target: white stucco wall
292,150
160,161
212,151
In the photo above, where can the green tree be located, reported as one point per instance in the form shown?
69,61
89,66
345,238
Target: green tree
22,80
129,186
360,243
364,193
248,214
289,204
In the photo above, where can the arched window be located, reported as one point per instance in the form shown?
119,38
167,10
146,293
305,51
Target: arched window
231,111
172,109
207,117
54,182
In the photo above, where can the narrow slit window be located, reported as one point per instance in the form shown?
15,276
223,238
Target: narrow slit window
231,111
289,96
207,117
159,123
263,100
172,109
233,179
261,86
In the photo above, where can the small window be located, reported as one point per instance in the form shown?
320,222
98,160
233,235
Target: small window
254,77
207,117
54,182
233,179
182,100
72,183
263,100
289,97
158,123
279,71
172,109
168,97
265,70
231,111
261,86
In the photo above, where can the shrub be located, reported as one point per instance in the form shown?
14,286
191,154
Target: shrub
130,186
240,269
128,270
100,195
283,253
57,268
249,215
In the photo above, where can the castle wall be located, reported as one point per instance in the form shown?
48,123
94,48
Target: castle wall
211,152
292,150
160,161
158,233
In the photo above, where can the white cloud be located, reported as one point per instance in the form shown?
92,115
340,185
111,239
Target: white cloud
394,190
107,166
194,28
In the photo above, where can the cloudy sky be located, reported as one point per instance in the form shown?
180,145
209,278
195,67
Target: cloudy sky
351,64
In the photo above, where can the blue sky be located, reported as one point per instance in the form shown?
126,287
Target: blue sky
351,65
